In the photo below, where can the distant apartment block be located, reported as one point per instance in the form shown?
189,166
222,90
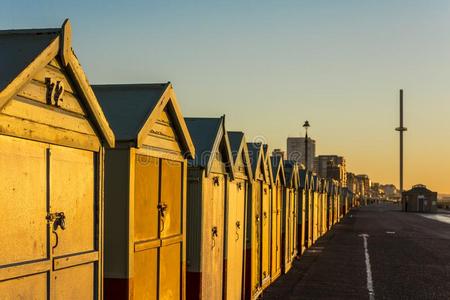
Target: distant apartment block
363,185
331,166
351,182
296,150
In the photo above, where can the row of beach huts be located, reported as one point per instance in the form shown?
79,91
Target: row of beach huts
108,191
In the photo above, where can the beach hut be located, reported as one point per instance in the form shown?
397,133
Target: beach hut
335,201
259,194
302,220
266,220
52,138
208,175
290,233
145,190
235,218
315,208
324,205
330,203
278,195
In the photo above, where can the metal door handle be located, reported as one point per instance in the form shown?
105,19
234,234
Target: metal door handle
58,219
215,233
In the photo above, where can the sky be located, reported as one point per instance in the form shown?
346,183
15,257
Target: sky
271,65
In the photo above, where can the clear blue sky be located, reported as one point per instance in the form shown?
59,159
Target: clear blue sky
269,65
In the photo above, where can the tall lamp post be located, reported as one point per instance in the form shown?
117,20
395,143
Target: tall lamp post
306,126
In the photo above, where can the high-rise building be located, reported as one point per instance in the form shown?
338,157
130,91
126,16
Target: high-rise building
296,150
279,152
336,172
322,164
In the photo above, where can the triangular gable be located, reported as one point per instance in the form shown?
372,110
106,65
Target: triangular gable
146,115
323,185
303,179
209,137
25,53
291,173
278,172
255,151
240,152
267,165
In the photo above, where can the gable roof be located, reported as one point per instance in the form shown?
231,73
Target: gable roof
132,109
208,135
23,53
290,170
255,151
239,147
304,178
277,167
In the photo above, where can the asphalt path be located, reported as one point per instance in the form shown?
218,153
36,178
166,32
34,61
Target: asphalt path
408,257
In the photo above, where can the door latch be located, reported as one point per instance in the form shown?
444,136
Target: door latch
58,219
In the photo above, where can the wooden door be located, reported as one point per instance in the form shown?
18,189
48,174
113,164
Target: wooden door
52,191
213,237
256,237
266,220
276,232
158,231
24,235
288,233
235,239
75,247
294,222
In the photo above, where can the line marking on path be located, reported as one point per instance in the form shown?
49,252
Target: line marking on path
365,237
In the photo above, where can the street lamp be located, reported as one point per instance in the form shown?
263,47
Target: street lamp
306,126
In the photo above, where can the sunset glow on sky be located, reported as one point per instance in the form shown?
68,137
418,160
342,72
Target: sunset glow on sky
270,65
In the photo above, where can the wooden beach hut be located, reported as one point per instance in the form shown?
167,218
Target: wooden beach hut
235,218
259,194
52,138
208,174
290,233
302,220
266,220
324,205
278,195
145,190
315,208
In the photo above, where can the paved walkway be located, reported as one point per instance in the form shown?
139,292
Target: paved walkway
408,257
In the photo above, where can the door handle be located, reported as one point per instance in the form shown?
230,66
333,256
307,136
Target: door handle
58,219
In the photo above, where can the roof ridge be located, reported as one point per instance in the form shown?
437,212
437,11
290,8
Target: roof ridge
30,31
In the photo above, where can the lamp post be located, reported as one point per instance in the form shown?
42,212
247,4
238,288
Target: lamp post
306,126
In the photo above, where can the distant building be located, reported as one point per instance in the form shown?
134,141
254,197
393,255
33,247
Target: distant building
351,182
376,191
363,185
419,199
279,152
336,172
390,191
324,164
296,150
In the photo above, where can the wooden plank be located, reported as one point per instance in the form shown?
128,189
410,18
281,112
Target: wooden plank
39,132
141,246
161,153
37,91
75,260
55,63
54,73
24,269
46,114
171,240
